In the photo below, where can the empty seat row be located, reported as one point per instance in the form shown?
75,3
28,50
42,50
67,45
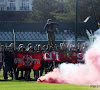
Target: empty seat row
33,36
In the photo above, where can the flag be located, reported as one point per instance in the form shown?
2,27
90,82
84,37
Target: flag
27,60
90,36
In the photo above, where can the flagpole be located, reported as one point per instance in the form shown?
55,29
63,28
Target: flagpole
76,22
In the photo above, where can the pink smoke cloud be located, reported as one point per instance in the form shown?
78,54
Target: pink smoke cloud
85,74
77,74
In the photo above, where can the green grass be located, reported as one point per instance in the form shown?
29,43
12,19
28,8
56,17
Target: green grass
33,85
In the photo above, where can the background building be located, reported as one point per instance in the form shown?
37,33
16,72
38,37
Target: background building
16,5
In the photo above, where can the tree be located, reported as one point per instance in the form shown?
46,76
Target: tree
85,9
54,9
97,9
62,10
66,11
42,10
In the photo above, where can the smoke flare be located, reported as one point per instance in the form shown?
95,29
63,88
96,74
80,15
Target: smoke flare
88,73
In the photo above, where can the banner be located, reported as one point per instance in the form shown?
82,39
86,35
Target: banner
27,60
37,58
70,57
34,60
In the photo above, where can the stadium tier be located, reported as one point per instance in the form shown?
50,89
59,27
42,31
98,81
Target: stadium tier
34,32
34,36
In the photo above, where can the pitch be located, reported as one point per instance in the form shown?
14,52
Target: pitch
33,85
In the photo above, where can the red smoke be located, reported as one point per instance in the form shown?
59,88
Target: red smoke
77,74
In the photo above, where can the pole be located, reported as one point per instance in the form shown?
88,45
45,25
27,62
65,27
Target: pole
14,39
76,21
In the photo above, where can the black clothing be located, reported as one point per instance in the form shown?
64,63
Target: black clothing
50,27
8,57
50,33
8,61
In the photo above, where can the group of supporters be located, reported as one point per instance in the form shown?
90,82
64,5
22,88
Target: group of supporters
7,61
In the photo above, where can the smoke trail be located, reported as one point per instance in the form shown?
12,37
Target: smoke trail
88,73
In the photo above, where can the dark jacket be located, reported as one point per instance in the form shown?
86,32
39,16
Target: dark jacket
50,27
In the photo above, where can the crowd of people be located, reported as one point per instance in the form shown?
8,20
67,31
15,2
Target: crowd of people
7,53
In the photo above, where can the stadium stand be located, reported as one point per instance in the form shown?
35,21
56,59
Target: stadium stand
34,32
8,36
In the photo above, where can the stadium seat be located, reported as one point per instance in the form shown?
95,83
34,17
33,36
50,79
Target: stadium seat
29,32
18,33
17,37
37,32
34,32
29,37
9,37
5,33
